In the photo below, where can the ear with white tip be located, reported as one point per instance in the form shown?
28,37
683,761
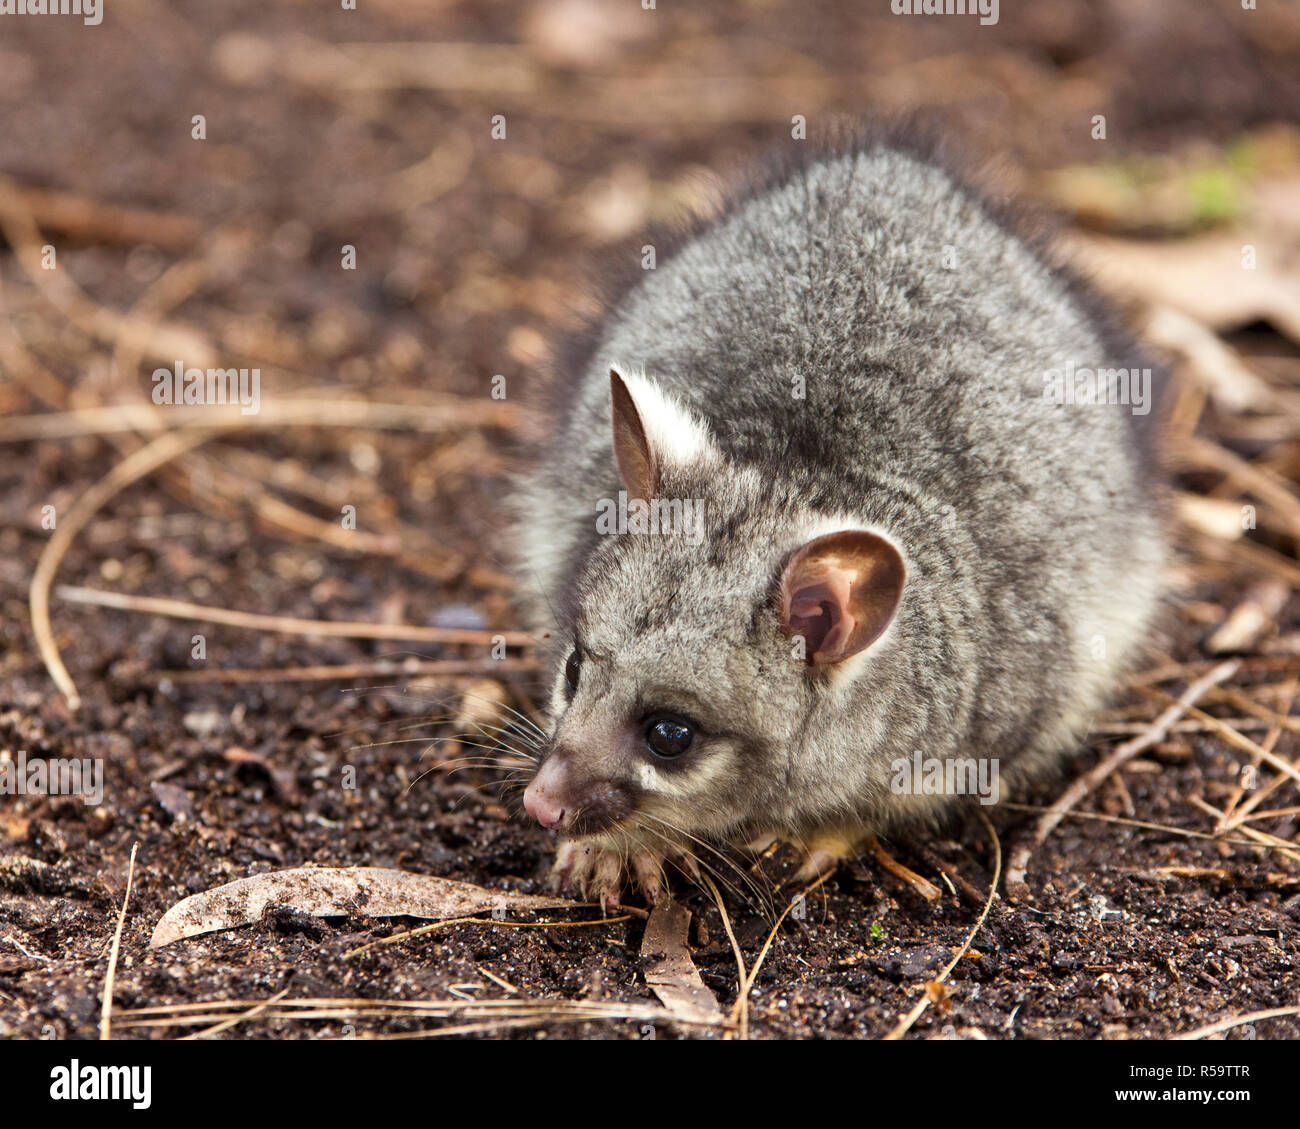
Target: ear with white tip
637,464
839,592
651,431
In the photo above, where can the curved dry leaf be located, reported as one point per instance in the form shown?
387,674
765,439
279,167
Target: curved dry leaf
1203,278
365,891
669,970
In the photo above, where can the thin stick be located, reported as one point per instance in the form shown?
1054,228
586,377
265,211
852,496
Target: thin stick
735,949
1145,825
421,930
1267,488
411,547
1129,728
18,360
1119,756
57,288
91,220
1285,848
923,886
912,1016
289,625
205,1008
134,467
498,980
1237,1021
1233,737
233,1020
1280,720
454,668
742,1001
106,1007
442,414
1169,671
502,1012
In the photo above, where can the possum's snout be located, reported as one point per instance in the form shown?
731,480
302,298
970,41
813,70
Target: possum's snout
547,798
562,799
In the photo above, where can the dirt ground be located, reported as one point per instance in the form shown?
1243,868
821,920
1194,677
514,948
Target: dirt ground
1162,903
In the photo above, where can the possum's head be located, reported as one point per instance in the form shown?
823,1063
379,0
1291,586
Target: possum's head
714,627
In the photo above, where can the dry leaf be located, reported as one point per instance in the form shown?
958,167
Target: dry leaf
331,892
938,993
669,970
1204,278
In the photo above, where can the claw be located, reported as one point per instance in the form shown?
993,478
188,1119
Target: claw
600,866
607,879
649,875
687,864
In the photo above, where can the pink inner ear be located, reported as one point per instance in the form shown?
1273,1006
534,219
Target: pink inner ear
839,592
819,612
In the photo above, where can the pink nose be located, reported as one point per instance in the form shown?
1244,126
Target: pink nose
543,797
540,806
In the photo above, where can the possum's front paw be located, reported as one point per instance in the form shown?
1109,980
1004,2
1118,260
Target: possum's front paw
826,849
600,866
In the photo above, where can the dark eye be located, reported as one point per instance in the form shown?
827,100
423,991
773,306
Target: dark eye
667,737
572,669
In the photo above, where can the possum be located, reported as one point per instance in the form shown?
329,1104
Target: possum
850,515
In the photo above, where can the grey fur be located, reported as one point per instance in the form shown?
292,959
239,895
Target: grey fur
1031,531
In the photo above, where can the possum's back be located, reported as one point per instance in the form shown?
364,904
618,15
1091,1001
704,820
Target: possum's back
867,311
867,317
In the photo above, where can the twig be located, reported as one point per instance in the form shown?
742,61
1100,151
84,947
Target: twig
106,1006
91,221
923,886
1237,1021
437,415
381,669
1238,740
1252,554
742,1000
17,360
735,949
1234,815
134,467
233,1020
495,1013
1285,848
912,1016
25,238
1127,728
1208,455
289,625
1119,756
497,980
410,547
1145,825
1167,672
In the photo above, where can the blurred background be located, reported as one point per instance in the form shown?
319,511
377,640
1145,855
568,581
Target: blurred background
184,182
